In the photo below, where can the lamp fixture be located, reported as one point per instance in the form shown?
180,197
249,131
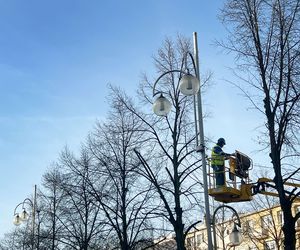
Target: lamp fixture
24,215
17,220
162,106
189,85
235,236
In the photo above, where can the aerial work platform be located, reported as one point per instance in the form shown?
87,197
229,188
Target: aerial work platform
237,186
229,194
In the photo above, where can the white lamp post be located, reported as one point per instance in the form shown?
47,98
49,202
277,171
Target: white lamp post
189,85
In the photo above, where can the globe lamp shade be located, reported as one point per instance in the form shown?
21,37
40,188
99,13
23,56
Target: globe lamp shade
189,85
17,221
24,215
235,237
162,106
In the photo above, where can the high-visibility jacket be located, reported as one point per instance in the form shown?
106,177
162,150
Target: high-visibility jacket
217,159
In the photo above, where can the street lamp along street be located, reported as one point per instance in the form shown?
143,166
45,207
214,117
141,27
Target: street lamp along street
24,215
189,85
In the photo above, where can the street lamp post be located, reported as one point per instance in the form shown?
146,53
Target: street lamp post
190,85
235,236
24,215
201,146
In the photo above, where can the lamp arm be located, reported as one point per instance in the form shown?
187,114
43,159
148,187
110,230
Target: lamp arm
17,207
28,201
168,72
237,216
160,92
184,59
232,209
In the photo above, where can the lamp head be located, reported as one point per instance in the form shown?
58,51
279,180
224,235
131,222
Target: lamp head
17,221
24,215
189,85
161,106
235,236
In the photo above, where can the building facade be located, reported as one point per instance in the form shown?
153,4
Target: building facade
261,230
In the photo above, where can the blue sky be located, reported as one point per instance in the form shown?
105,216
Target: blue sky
56,59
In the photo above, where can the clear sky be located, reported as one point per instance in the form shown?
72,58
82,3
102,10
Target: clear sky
56,58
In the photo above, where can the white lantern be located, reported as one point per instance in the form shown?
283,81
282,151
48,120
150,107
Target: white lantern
162,106
235,236
189,85
17,221
24,215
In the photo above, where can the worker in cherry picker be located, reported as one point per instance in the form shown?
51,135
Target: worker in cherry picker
218,157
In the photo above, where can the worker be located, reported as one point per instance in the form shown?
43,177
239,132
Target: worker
218,158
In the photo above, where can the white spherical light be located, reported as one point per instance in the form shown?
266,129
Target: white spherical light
24,215
17,221
189,85
162,106
235,237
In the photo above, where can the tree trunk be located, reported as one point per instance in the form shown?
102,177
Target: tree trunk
124,245
288,227
180,237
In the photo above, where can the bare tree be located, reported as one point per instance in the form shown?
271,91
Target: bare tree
18,238
82,215
50,202
264,35
124,196
167,156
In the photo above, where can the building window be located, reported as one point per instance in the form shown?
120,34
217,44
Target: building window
266,224
248,226
266,221
190,243
252,247
280,217
270,245
199,239
297,210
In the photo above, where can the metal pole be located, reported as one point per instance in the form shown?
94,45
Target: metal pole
201,148
33,216
214,233
38,229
